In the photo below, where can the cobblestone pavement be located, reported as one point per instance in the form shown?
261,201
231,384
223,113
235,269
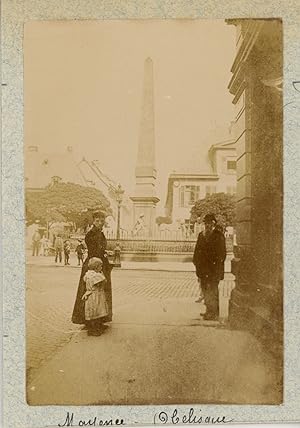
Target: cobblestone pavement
50,295
157,332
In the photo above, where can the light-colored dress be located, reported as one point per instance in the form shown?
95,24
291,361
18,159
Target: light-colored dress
96,304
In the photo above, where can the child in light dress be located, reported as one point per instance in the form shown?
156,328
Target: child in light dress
96,307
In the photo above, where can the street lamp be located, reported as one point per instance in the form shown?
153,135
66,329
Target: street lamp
119,197
117,252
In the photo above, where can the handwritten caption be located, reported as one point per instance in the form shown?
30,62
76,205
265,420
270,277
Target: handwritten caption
192,417
95,421
173,417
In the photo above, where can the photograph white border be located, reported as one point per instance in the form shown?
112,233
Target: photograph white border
15,13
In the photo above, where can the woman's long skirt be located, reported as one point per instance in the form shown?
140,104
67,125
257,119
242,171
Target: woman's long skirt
78,316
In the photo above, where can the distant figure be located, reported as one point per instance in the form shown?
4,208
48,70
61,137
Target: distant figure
139,227
198,227
45,246
209,258
67,251
36,243
183,229
96,308
80,252
58,246
85,225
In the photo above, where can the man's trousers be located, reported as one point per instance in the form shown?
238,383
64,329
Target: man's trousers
211,295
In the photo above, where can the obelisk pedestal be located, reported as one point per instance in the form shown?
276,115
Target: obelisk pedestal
144,198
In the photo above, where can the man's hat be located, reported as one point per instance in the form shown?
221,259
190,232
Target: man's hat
209,218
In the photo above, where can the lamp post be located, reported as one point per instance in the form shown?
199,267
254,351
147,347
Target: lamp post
119,197
117,253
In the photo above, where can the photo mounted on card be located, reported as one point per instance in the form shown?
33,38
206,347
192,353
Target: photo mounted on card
153,221
151,224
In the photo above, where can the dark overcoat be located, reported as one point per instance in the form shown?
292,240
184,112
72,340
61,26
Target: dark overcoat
96,244
209,256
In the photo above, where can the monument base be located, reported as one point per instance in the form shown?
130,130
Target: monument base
144,215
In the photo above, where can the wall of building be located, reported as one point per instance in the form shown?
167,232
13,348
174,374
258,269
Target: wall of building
258,135
179,212
226,183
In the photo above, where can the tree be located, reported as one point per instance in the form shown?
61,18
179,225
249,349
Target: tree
163,220
67,202
222,205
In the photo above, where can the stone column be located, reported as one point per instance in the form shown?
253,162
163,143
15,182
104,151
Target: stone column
144,198
257,69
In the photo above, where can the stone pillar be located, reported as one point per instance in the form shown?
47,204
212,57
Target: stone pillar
257,69
144,198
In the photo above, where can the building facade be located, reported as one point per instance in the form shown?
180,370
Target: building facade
256,87
184,189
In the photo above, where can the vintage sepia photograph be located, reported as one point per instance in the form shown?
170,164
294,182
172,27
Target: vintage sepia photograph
153,156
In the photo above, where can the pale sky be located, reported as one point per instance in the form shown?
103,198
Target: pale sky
83,87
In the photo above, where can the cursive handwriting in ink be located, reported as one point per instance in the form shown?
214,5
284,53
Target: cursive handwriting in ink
175,418
295,83
68,422
92,422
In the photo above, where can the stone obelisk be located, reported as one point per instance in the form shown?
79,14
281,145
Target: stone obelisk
144,198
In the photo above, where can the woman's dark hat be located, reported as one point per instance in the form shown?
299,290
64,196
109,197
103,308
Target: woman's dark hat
99,214
209,218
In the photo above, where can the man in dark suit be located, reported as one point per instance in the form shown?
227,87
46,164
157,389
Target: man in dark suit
209,258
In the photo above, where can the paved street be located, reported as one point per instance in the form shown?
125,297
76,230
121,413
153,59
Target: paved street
51,290
157,350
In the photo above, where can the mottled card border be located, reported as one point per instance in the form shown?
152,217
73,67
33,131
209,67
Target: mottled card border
14,14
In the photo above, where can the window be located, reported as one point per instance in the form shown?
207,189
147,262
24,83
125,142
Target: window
231,165
56,179
188,195
194,194
181,196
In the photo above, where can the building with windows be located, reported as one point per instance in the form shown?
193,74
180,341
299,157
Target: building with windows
185,188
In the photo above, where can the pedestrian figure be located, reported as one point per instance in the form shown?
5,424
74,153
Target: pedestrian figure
36,243
67,250
139,227
80,249
198,227
96,245
45,246
183,230
58,246
209,258
96,309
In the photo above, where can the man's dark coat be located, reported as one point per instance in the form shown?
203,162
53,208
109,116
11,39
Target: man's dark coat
209,256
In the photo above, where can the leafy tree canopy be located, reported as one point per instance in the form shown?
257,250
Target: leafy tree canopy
222,205
67,202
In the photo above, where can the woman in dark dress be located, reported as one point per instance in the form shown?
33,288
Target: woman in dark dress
96,245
